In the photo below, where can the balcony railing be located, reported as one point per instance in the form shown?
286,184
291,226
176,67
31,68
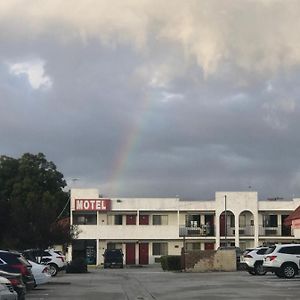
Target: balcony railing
275,231
195,231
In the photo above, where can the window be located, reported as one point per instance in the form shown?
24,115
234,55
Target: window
232,220
118,219
270,221
242,220
262,251
192,220
160,220
160,248
85,219
290,250
192,246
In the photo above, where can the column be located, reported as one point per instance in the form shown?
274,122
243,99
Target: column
97,253
256,230
237,230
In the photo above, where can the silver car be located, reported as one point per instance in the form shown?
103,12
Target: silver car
6,290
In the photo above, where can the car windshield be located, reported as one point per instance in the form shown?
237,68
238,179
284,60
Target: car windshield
113,253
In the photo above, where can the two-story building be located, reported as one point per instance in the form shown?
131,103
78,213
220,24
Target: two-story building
146,228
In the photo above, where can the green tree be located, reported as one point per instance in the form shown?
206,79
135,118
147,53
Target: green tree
32,196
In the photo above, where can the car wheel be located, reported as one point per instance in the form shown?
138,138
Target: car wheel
289,271
53,269
252,272
279,274
259,269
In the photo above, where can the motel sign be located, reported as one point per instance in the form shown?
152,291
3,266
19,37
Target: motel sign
93,204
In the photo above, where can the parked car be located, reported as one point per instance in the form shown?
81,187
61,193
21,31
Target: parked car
16,282
40,272
113,258
14,262
51,257
253,260
7,292
283,260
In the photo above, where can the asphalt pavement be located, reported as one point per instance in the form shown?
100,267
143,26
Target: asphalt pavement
153,283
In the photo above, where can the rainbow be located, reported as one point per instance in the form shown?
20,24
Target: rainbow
127,148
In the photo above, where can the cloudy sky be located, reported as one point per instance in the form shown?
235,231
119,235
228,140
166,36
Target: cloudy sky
155,98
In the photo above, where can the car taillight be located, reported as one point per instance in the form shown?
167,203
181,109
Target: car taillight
15,281
271,257
22,268
61,257
46,270
248,256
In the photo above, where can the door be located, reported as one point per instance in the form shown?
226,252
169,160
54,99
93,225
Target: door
130,219
144,220
144,254
209,246
209,223
130,254
222,225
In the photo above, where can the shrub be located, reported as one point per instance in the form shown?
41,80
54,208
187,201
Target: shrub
171,262
78,265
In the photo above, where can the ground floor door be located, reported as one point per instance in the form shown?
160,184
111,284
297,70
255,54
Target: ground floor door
130,254
209,246
143,253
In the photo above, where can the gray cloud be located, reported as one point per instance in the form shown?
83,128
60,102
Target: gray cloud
152,98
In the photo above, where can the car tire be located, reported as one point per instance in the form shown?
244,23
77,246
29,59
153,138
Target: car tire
259,270
53,269
289,270
279,274
252,272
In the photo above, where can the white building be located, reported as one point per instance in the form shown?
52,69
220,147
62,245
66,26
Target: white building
146,228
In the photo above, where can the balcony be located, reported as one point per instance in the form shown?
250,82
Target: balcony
275,231
196,231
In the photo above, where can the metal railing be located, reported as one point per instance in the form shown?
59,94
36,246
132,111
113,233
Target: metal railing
193,231
275,231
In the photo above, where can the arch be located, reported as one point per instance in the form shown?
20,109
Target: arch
246,223
227,223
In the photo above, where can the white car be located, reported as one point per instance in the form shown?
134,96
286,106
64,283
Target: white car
6,290
40,273
55,260
283,260
253,259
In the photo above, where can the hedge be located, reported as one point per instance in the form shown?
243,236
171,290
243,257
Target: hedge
171,262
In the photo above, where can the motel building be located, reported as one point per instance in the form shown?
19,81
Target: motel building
147,228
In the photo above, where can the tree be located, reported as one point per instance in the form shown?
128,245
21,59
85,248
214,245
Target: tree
32,196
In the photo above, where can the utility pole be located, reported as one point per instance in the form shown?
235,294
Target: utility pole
225,237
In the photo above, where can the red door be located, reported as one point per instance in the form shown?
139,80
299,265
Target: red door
144,220
144,254
222,225
130,219
209,246
130,254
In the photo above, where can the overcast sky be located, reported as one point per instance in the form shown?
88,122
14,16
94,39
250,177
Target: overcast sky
155,97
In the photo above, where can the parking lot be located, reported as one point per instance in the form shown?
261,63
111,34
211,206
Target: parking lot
153,283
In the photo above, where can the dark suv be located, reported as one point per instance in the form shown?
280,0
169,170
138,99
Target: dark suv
113,258
14,262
